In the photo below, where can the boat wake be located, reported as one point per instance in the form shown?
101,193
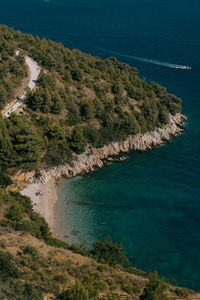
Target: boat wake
146,60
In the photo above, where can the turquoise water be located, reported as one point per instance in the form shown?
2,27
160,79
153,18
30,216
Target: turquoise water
151,202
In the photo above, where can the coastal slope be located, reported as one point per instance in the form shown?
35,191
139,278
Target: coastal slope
81,111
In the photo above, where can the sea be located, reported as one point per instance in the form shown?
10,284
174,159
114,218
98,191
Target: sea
150,203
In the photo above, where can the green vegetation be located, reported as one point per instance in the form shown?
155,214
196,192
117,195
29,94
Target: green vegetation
20,144
12,70
79,292
79,100
5,180
7,267
154,289
109,252
19,215
33,263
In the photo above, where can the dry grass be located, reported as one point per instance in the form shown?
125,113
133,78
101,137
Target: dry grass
65,267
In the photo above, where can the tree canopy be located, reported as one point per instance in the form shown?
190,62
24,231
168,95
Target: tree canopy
79,99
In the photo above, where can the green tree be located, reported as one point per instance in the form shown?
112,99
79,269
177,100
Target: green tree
154,289
15,212
26,143
6,147
87,109
47,101
77,141
3,96
57,103
109,252
7,267
76,74
5,180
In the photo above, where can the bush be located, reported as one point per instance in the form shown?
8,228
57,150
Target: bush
30,250
32,292
27,226
57,243
137,272
7,267
131,289
109,252
180,292
154,289
62,278
78,292
114,297
15,212
101,268
5,180
24,201
101,286
80,249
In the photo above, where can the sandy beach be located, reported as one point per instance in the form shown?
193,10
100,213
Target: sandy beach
45,201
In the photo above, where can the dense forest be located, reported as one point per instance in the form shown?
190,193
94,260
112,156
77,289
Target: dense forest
12,71
79,100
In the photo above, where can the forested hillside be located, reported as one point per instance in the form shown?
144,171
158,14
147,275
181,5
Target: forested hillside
12,70
79,99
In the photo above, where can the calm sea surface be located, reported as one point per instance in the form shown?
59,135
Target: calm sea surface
151,202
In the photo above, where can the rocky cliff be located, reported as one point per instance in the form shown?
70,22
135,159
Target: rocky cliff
93,157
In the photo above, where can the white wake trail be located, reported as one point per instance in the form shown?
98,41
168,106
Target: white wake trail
146,60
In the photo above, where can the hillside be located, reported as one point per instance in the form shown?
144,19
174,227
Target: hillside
34,265
79,102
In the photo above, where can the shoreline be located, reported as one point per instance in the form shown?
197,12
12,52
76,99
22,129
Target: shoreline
43,191
44,197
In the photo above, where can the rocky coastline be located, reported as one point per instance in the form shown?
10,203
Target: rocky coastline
96,158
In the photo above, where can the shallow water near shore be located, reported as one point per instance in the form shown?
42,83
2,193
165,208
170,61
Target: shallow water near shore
150,202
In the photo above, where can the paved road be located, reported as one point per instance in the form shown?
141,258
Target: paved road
35,71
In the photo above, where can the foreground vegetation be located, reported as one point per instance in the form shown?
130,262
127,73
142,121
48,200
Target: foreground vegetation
33,264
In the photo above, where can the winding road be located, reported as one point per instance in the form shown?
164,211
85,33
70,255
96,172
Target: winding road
34,71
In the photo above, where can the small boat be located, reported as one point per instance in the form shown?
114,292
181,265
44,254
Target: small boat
187,67
102,223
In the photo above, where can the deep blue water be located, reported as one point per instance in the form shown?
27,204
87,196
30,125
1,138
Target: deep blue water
151,202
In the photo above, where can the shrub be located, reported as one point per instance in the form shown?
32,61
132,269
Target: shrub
137,272
109,252
15,212
57,243
80,249
32,292
5,180
27,226
30,250
24,201
77,292
101,286
154,289
62,278
101,268
131,289
7,267
180,292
